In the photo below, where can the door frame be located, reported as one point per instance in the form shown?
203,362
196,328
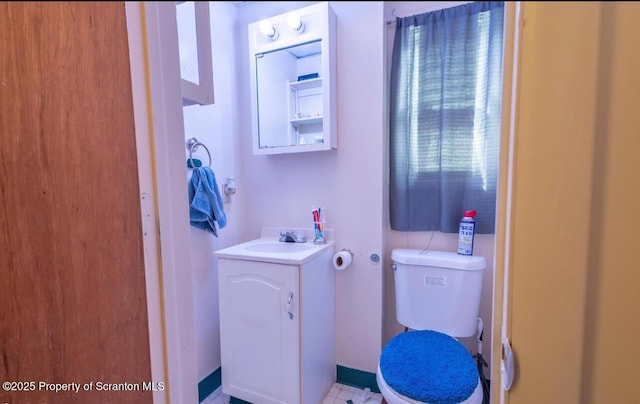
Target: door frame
511,54
157,99
158,117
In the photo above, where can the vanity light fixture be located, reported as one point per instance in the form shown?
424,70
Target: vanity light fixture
293,20
269,30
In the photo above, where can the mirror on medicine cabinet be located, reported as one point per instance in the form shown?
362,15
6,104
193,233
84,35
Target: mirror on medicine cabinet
292,63
194,44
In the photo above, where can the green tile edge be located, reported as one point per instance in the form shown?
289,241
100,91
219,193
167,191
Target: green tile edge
348,376
234,400
357,378
209,384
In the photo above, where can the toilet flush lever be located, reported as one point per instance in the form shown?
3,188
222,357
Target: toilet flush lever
289,306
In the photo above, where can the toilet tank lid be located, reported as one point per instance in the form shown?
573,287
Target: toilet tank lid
442,259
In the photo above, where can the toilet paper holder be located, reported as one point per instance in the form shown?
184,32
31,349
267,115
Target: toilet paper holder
342,260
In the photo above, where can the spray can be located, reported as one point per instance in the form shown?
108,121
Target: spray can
466,232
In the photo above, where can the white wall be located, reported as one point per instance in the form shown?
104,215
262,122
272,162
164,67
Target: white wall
279,190
215,126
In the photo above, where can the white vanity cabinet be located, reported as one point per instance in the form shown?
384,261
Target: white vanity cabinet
277,329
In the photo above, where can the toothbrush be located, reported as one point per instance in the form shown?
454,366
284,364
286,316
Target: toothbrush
321,218
315,221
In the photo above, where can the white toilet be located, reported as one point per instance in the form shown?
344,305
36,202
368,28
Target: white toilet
437,299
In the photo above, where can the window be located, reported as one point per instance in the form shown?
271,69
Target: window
446,80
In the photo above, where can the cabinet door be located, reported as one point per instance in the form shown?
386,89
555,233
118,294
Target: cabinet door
259,331
196,61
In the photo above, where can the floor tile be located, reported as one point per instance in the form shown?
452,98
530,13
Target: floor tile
339,394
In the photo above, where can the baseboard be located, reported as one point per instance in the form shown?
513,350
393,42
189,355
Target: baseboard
344,375
209,384
235,400
357,378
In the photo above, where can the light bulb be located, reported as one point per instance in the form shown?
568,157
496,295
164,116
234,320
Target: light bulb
268,30
293,20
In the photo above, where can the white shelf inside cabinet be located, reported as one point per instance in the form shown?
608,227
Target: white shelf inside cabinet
306,111
306,100
306,84
306,121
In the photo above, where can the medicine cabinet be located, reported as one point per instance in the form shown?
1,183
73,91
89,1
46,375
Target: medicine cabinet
293,86
194,44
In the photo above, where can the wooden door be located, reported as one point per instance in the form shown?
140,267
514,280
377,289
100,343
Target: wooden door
573,281
71,259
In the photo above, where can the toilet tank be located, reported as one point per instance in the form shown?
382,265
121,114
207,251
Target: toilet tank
437,290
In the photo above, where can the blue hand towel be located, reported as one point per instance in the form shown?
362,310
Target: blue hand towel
205,202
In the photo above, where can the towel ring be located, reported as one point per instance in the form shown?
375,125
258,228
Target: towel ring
192,145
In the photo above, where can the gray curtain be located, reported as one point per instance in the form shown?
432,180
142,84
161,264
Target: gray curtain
446,78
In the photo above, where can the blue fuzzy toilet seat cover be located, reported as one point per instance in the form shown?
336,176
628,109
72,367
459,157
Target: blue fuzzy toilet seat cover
429,366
